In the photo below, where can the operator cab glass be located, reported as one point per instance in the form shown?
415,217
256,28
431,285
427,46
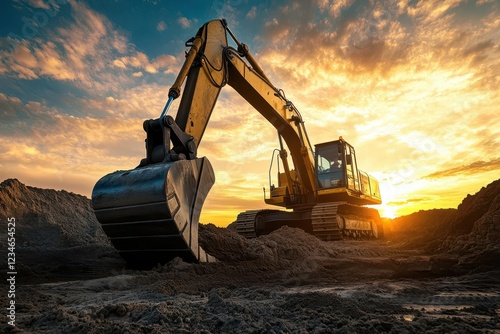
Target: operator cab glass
336,166
329,165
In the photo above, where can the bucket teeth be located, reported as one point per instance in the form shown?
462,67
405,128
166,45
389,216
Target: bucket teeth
151,213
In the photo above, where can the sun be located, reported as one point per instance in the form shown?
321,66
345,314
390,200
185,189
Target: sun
388,211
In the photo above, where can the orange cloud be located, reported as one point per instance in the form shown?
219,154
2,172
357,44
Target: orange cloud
470,169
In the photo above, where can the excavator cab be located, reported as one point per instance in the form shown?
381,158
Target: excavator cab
338,177
341,191
330,164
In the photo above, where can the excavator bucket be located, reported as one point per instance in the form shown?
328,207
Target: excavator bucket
151,213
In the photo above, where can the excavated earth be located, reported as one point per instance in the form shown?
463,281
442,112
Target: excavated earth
436,271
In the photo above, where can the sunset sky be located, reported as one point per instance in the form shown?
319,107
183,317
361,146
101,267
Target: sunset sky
412,85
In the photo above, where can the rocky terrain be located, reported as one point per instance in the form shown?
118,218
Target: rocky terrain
437,271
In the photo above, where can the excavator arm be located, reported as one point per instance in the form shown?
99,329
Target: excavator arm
211,64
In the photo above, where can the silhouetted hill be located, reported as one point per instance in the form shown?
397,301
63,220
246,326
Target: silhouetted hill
471,231
472,208
474,230
423,221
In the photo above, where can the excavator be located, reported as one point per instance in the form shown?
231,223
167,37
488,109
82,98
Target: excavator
151,213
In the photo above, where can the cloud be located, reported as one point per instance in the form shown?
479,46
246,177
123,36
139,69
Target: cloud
80,51
252,13
18,118
161,26
408,201
164,61
143,101
184,22
479,48
374,38
469,169
119,63
86,50
139,60
24,57
334,8
482,2
430,11
38,142
390,66
39,4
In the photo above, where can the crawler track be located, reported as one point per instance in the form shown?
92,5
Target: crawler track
326,221
245,223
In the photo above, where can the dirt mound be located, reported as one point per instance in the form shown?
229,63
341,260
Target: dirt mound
276,249
46,218
438,230
417,230
481,246
55,228
225,244
286,254
57,235
423,221
475,226
472,208
471,232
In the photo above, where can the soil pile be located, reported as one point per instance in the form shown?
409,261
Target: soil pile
417,229
421,222
46,218
470,233
475,226
56,232
54,228
276,249
477,239
472,209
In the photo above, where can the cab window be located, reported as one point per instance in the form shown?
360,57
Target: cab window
329,166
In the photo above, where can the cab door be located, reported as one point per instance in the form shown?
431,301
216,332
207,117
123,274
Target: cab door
351,168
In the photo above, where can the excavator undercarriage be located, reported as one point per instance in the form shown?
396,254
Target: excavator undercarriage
327,221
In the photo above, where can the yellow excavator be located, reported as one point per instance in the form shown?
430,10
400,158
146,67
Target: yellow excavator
151,213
